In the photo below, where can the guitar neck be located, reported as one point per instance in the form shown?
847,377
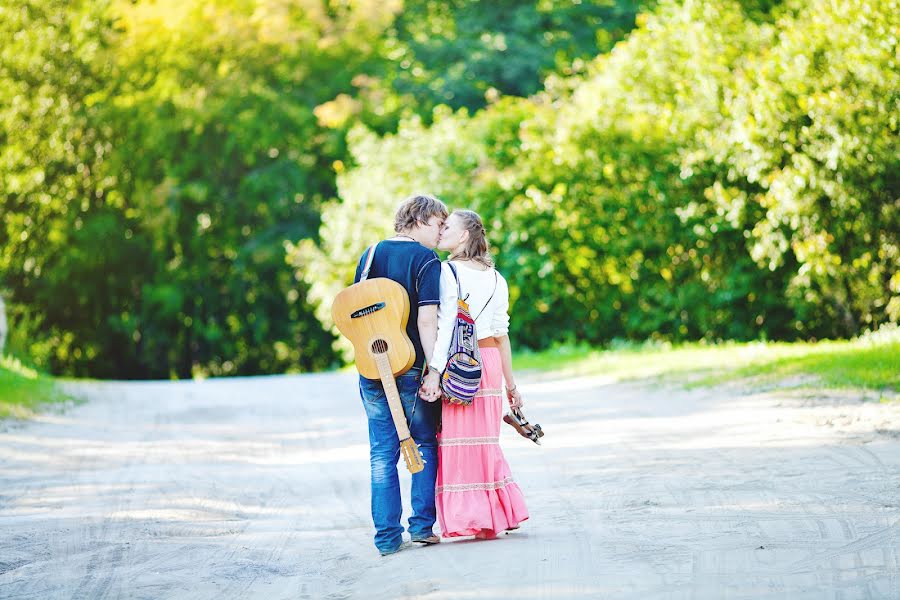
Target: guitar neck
408,448
393,396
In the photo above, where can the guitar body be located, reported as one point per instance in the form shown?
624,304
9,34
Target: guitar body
373,315
372,310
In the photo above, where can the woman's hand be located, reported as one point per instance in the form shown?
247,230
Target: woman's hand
430,390
514,396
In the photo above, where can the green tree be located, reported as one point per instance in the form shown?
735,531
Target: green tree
62,230
159,156
811,145
463,53
682,187
221,100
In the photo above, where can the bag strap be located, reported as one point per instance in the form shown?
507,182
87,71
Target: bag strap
489,299
459,288
369,258
456,277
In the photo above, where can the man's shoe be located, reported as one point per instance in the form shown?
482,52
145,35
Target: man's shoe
431,539
395,550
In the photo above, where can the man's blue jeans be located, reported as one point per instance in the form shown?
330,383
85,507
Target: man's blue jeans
385,453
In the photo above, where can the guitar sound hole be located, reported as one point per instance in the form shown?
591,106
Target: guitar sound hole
379,347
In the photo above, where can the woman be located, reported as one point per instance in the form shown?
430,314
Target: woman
475,493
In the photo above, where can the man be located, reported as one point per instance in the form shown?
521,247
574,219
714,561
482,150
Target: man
409,259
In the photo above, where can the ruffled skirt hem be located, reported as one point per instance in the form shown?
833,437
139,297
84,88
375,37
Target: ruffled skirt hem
462,513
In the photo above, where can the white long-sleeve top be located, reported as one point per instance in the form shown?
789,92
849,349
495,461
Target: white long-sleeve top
493,319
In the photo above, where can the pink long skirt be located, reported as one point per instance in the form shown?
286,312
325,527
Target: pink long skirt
475,491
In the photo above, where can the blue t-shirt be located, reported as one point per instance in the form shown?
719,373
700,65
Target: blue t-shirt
418,270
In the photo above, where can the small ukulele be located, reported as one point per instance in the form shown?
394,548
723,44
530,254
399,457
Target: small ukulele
373,314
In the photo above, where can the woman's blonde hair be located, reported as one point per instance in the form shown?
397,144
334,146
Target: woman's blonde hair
477,248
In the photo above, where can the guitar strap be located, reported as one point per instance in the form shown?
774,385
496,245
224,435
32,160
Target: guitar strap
369,258
367,266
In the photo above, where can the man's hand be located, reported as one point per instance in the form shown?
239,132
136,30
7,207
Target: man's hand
430,390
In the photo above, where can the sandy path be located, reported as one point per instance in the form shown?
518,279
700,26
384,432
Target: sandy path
258,488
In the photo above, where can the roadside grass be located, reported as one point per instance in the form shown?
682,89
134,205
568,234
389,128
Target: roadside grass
834,365
871,361
23,390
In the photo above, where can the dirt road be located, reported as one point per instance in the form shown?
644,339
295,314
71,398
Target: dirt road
258,488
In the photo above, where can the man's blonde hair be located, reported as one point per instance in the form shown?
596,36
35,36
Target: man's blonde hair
417,210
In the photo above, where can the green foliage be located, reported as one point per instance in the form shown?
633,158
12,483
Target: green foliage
623,245
185,185
153,172
59,234
811,146
157,158
217,97
457,52
726,172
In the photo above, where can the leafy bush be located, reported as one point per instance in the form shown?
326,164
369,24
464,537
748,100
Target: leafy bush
727,172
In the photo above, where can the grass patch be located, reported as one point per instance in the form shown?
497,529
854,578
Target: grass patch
23,390
871,361
834,364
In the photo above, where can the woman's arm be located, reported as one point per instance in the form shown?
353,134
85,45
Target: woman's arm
437,359
512,392
437,353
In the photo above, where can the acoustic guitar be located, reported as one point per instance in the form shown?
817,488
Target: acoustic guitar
373,314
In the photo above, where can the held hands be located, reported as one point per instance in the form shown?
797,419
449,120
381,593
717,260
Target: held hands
430,390
514,396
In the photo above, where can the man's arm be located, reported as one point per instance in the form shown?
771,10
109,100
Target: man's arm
428,329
